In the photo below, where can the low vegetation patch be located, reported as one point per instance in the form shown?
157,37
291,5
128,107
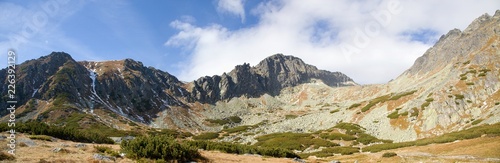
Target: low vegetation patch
334,111
290,116
374,102
368,139
327,152
399,95
459,96
475,122
65,133
159,147
337,136
471,133
228,120
41,137
395,114
385,98
351,128
389,154
242,149
206,136
414,112
107,150
237,129
170,132
292,141
354,105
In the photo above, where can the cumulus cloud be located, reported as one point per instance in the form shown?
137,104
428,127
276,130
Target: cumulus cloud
370,41
234,7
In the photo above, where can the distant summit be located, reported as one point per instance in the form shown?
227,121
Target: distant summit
269,76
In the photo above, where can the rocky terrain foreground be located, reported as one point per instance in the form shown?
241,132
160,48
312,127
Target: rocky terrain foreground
475,150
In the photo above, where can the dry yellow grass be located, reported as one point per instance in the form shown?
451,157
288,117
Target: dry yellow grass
483,149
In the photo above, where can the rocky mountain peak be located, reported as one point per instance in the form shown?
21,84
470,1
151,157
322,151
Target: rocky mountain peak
132,63
268,77
445,51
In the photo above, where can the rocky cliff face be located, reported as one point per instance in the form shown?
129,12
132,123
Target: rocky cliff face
269,76
55,75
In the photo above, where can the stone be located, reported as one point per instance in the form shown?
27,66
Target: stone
103,157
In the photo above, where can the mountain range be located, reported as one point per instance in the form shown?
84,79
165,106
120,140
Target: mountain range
453,86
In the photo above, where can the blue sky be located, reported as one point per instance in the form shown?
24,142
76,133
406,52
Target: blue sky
371,41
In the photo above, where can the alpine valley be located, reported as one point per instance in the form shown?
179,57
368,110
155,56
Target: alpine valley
450,94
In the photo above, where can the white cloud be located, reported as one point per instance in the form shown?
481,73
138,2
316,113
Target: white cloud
319,32
234,7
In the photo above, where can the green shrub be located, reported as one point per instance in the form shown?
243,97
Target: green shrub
425,104
481,74
429,99
404,114
334,111
374,102
477,121
170,132
65,133
497,103
41,137
399,95
228,120
159,147
471,133
237,129
241,149
459,96
235,119
337,136
472,71
290,116
463,78
467,62
354,105
393,115
469,83
351,128
484,70
368,139
385,98
414,113
107,150
291,141
389,154
327,152
206,136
